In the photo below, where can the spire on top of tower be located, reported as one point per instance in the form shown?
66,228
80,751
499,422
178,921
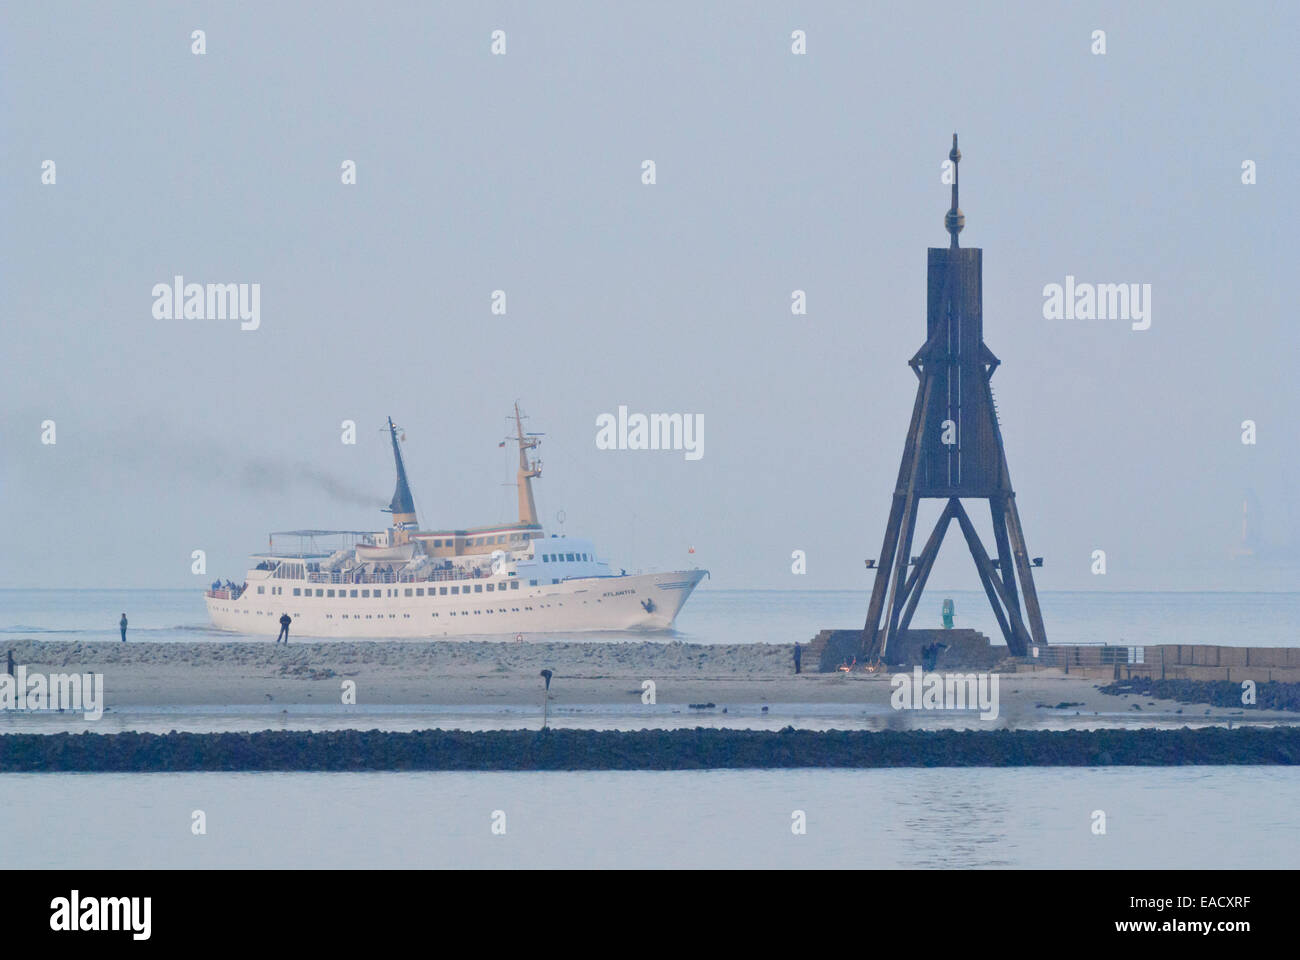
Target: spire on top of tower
954,220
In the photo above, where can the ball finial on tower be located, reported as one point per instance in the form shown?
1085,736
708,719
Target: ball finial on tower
954,220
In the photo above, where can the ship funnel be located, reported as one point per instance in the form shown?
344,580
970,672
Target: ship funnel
403,506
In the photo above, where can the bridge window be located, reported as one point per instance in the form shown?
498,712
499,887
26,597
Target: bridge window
297,592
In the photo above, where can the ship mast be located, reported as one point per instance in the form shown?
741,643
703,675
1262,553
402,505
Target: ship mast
403,506
527,470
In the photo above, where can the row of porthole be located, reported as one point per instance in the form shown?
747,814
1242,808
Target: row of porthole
391,616
463,613
484,541
329,594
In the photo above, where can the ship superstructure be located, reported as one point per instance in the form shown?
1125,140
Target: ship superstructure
406,582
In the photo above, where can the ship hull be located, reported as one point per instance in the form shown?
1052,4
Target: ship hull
644,602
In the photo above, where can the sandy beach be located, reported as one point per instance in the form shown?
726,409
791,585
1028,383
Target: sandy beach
596,674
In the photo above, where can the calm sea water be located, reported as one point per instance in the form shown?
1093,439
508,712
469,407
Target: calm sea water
736,616
1176,818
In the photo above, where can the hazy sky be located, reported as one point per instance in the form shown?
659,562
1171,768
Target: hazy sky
522,173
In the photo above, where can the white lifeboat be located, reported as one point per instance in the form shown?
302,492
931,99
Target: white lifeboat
397,552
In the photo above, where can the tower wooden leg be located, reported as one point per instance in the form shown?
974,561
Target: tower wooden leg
900,576
901,519
871,634
1032,608
998,514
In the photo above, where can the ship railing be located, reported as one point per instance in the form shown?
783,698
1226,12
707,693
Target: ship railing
422,576
223,594
344,577
455,573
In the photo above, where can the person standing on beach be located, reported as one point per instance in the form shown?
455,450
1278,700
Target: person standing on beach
122,624
285,620
11,663
798,656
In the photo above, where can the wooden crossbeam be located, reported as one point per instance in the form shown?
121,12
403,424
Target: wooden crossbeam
916,583
1013,628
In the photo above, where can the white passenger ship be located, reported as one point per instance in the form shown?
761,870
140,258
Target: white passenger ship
406,582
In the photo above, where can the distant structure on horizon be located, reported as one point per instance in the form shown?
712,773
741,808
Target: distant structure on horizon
953,451
1246,546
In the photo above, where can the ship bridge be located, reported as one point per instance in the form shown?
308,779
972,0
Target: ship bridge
559,558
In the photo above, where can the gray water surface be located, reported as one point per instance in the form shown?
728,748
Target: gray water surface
1168,817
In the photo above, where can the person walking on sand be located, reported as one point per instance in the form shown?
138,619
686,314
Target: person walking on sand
11,663
285,620
798,656
122,623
